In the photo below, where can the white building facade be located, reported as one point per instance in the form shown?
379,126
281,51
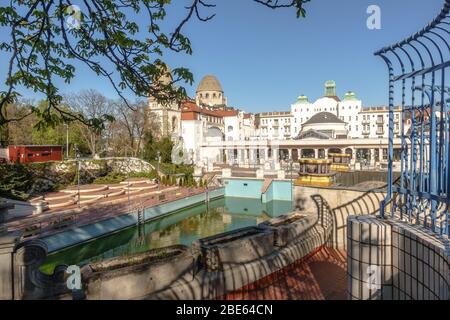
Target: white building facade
209,121
275,125
347,109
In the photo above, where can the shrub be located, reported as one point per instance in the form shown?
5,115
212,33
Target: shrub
150,175
15,181
110,178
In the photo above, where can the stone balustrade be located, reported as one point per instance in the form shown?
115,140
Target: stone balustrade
136,275
4,208
234,247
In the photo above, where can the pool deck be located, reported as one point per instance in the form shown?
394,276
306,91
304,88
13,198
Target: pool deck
55,221
319,276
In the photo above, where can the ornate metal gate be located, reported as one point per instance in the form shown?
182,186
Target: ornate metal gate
418,68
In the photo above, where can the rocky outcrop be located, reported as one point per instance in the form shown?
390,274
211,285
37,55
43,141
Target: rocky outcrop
123,165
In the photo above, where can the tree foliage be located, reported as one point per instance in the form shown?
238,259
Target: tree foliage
26,131
42,47
155,145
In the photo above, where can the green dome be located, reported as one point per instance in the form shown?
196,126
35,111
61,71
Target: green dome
302,99
330,88
350,96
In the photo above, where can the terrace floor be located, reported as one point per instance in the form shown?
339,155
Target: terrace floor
46,223
319,276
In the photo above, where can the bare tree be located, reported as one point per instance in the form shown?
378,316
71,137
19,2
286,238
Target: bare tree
132,123
19,131
91,104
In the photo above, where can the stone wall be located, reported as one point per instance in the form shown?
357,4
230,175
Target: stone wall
136,275
348,179
395,260
123,165
342,203
19,270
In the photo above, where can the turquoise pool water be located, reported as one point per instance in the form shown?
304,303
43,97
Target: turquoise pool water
182,227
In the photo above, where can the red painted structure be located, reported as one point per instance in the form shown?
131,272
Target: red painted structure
30,153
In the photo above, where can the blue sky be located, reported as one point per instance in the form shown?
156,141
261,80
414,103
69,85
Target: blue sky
265,58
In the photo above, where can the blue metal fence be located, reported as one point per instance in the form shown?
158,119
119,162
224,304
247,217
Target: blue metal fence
418,70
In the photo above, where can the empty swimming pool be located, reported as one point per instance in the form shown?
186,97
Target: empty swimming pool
182,227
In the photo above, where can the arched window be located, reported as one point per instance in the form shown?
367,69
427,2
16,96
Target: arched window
207,95
174,123
230,128
214,95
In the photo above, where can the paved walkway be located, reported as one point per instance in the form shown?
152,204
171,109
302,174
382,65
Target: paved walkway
106,208
319,276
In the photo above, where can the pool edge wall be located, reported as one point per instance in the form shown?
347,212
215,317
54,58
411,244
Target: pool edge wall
279,190
96,230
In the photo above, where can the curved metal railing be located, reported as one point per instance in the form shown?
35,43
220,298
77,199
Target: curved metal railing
418,71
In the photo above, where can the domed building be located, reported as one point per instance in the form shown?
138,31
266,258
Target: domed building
347,109
324,125
302,99
168,115
210,92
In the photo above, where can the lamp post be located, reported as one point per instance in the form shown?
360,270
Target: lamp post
128,188
158,158
77,156
291,163
289,167
67,140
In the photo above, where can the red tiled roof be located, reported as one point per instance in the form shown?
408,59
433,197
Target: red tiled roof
227,113
190,106
189,116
